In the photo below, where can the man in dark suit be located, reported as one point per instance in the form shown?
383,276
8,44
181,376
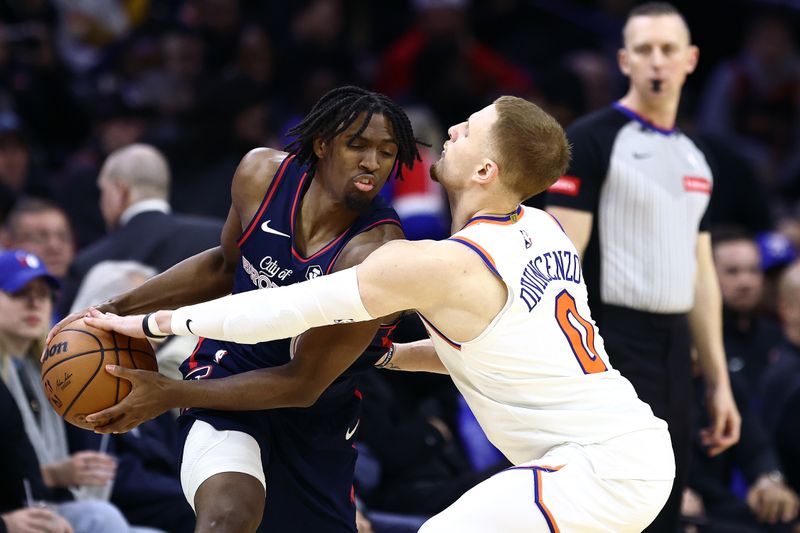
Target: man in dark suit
134,189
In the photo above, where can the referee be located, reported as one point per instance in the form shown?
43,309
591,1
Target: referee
648,259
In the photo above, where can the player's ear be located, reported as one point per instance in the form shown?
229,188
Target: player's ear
320,148
487,171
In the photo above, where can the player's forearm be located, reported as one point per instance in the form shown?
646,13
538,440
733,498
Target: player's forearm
419,356
265,315
267,388
199,278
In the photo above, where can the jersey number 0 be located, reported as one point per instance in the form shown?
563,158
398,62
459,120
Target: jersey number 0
580,336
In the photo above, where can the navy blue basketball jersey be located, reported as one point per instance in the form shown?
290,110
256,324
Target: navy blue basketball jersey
270,259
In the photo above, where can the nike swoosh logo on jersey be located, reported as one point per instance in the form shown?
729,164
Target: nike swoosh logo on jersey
641,155
349,433
266,229
189,321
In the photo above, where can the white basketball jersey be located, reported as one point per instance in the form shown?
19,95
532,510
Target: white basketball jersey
538,376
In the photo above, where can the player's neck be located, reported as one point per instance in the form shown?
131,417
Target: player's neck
321,217
464,209
661,113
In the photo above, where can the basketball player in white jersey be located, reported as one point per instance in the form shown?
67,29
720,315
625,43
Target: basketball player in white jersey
505,304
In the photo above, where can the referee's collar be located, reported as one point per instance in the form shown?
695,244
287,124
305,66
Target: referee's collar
633,115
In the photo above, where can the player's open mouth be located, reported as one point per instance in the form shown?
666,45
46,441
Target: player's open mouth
365,182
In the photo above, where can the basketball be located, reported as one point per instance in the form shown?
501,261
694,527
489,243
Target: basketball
73,370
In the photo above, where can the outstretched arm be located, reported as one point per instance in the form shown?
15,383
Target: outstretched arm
387,282
320,356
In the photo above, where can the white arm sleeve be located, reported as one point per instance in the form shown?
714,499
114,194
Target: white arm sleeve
277,313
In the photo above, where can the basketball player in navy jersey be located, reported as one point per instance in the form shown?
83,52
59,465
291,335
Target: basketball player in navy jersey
294,216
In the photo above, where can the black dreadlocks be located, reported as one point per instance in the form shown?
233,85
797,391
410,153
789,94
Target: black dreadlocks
337,110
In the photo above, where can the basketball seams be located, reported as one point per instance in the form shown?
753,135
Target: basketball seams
116,355
70,358
100,348
86,384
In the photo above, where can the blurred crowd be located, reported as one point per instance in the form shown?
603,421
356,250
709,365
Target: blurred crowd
204,81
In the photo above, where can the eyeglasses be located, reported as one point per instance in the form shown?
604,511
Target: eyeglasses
32,292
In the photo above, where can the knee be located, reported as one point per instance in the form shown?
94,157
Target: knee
230,515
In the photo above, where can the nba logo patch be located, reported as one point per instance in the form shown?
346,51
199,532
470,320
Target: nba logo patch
314,271
526,238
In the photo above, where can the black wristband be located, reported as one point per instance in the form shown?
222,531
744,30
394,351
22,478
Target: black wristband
386,359
149,334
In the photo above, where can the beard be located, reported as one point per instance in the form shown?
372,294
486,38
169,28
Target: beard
358,203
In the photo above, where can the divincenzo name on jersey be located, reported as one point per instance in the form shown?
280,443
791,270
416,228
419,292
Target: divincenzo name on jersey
542,269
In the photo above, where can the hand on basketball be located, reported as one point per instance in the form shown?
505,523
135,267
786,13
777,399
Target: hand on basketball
35,520
106,308
725,421
143,403
127,325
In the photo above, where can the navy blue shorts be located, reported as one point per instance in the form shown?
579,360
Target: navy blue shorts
308,454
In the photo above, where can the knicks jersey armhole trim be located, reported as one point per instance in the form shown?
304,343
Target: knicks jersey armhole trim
267,198
557,222
490,264
478,249
359,232
444,337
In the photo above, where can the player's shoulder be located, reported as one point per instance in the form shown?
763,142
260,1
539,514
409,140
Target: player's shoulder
262,161
256,171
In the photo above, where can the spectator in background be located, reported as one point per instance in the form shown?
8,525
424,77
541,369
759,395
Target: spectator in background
17,176
21,473
769,504
752,102
26,292
42,228
147,486
777,253
780,387
747,334
739,198
115,124
134,185
438,61
634,202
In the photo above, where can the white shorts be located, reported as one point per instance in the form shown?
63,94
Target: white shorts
208,452
559,492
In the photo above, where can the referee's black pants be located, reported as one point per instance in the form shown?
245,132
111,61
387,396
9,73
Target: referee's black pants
653,351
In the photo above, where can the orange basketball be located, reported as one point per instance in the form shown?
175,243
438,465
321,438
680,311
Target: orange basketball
73,371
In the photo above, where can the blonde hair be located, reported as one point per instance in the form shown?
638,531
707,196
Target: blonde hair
34,352
530,146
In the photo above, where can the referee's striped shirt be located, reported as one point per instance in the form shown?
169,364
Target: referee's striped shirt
648,189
